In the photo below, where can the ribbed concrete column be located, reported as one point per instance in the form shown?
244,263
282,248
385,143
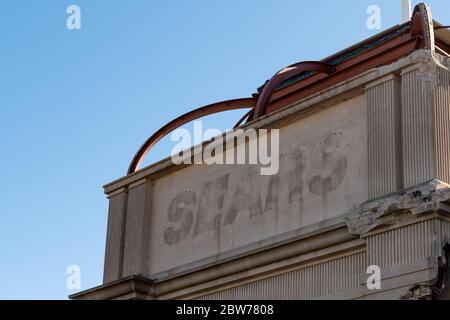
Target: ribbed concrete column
384,141
408,257
442,123
425,122
138,213
115,233
127,244
418,128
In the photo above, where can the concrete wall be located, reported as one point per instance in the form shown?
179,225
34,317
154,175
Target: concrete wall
323,174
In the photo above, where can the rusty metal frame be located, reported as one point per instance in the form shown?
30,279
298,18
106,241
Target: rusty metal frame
286,73
422,26
236,104
258,105
421,32
245,117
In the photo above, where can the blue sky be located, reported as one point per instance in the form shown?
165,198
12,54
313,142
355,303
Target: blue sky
75,105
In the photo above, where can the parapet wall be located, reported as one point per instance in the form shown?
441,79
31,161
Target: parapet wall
364,168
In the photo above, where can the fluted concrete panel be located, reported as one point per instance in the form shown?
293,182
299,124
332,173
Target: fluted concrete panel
311,282
384,142
426,125
417,129
442,124
136,235
403,245
115,232
409,243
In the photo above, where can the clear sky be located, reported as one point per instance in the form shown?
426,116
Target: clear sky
75,105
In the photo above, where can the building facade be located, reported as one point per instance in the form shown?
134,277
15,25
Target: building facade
363,186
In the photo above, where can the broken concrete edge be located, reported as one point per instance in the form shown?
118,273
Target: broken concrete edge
431,196
424,60
427,201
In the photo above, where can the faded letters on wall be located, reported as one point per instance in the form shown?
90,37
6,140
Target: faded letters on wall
204,211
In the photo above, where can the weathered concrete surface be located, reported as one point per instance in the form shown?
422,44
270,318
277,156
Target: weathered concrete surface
204,211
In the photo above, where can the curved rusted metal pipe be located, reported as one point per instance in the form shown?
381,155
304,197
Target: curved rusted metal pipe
286,73
422,26
246,116
186,118
258,106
